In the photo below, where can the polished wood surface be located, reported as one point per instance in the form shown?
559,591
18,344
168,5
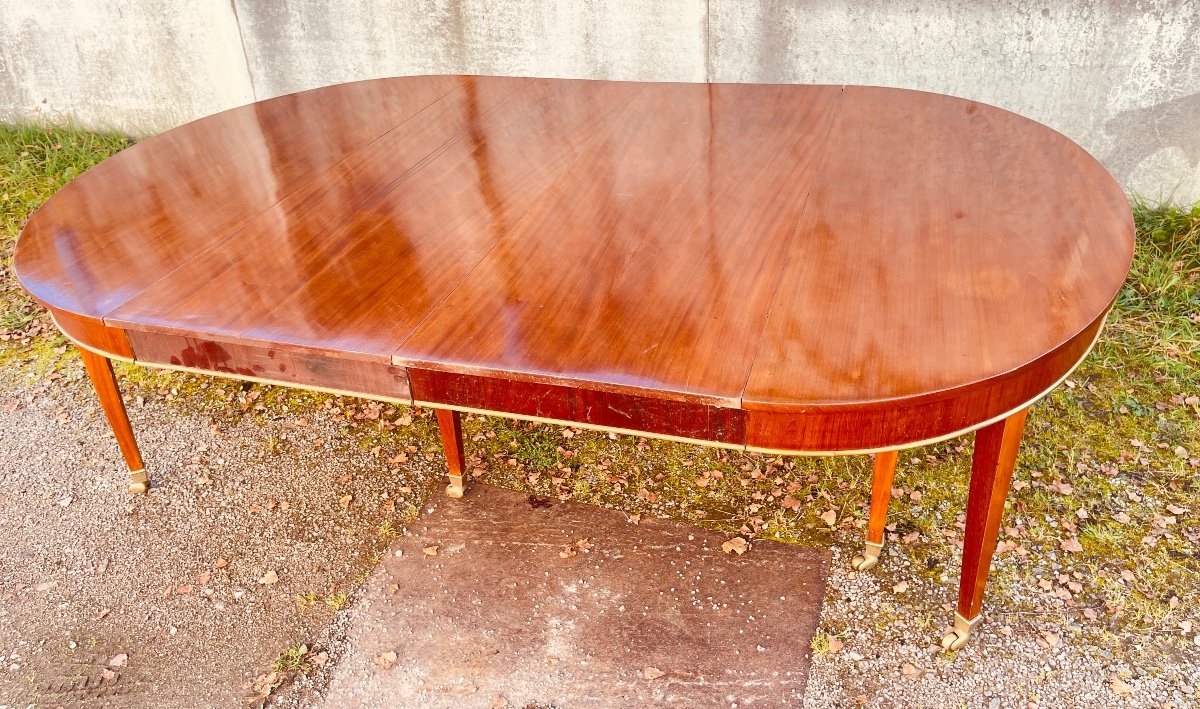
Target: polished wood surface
793,268
881,495
800,269
100,371
995,455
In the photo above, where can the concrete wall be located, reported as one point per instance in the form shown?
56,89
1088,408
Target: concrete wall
1120,78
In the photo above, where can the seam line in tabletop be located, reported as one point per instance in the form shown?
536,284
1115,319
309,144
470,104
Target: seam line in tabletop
837,112
585,150
249,220
678,392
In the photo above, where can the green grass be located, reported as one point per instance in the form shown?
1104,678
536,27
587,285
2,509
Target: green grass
293,659
1124,434
35,161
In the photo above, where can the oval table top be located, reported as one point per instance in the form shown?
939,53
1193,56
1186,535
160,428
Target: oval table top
826,268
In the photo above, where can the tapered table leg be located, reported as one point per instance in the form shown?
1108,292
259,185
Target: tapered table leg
99,368
991,472
881,494
450,424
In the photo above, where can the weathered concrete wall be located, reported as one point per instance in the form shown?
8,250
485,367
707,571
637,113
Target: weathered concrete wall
1122,79
136,65
293,46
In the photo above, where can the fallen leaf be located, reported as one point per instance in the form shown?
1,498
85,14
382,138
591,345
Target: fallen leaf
653,673
900,587
1052,639
269,578
737,545
119,660
1176,509
221,563
107,674
835,645
1071,544
430,551
386,661
567,553
101,614
910,670
829,517
1121,687
393,589
183,590
344,501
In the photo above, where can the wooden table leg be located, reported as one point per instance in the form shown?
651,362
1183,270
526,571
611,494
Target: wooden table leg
881,494
450,424
99,368
991,471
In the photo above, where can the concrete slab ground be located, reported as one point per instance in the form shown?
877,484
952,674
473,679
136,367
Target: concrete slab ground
501,599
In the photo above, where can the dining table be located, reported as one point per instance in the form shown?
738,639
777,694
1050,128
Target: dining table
781,269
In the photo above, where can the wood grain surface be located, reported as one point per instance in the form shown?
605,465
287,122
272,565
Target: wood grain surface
794,268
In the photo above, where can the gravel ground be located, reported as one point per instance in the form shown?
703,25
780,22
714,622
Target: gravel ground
185,596
107,595
890,654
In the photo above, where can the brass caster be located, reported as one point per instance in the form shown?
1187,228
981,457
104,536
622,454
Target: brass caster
955,639
140,484
456,488
957,636
868,559
862,563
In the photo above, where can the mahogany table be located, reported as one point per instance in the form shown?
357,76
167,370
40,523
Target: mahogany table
788,269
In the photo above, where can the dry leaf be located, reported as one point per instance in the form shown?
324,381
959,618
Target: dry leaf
430,551
221,563
567,553
1071,544
269,578
345,501
1121,687
1052,639
737,545
653,673
119,660
183,590
900,587
107,674
829,517
835,645
386,661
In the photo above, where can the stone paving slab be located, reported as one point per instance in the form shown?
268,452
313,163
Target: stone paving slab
514,609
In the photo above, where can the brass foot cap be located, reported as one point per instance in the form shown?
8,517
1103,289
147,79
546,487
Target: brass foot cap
957,636
863,562
869,558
